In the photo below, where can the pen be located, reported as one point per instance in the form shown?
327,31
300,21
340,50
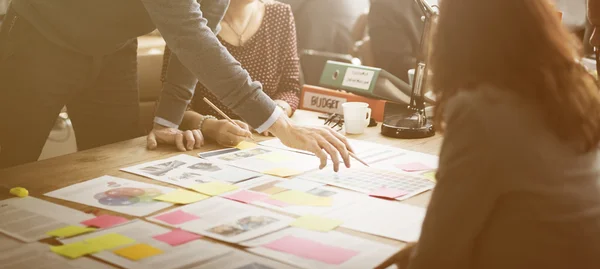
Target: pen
224,115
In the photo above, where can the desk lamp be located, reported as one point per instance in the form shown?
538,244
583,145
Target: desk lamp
414,123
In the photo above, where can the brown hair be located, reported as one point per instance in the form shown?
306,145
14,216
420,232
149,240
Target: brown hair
519,46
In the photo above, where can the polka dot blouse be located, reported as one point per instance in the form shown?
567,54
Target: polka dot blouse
270,57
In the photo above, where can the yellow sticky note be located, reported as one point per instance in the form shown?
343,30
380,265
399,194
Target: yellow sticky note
214,188
138,251
430,175
109,241
294,197
70,230
316,223
276,157
245,145
282,172
75,250
181,197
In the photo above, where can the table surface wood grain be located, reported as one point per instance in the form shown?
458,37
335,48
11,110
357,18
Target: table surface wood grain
52,174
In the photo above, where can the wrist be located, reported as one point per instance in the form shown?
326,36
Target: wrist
281,125
209,127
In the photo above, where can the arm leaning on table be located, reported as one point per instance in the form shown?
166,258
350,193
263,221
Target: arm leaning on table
201,57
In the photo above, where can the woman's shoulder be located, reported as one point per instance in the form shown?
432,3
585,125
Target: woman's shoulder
278,9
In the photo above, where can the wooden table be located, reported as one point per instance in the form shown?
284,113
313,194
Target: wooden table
52,174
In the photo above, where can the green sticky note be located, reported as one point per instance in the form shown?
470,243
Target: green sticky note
181,197
109,241
430,175
138,251
282,172
75,250
316,223
70,231
294,197
214,188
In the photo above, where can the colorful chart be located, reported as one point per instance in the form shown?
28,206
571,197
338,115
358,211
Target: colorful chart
125,196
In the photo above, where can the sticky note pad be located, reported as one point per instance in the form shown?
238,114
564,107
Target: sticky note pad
282,172
245,145
104,221
312,250
294,197
245,196
316,223
138,251
388,193
176,217
181,197
109,241
70,230
75,250
276,157
214,188
430,175
413,167
177,237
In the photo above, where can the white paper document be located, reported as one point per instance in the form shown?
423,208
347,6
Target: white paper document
267,185
389,219
28,219
17,255
190,253
116,194
310,249
241,260
410,162
264,159
186,171
367,151
224,219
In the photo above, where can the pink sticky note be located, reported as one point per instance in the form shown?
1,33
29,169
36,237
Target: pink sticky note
275,202
177,237
388,193
176,217
312,250
247,197
413,167
104,221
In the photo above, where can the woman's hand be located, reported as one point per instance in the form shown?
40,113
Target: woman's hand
400,259
226,133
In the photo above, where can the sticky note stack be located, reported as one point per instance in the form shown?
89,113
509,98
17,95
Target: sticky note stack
181,197
70,231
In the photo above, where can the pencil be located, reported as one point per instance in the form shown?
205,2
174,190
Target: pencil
224,115
358,159
233,122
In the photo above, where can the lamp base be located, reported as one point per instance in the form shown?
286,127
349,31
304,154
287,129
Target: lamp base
402,122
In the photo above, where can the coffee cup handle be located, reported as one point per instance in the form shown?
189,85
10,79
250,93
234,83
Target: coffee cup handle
368,119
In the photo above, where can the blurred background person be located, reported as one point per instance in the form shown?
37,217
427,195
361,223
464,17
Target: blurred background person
261,35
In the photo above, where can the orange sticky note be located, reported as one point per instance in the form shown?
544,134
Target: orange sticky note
282,172
138,251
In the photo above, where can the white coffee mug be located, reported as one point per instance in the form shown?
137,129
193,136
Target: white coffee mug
357,116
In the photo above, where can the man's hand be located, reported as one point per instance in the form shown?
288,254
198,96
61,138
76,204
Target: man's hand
184,140
320,141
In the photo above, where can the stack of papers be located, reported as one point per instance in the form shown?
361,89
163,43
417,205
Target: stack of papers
265,160
187,171
140,244
30,219
224,219
116,194
310,249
